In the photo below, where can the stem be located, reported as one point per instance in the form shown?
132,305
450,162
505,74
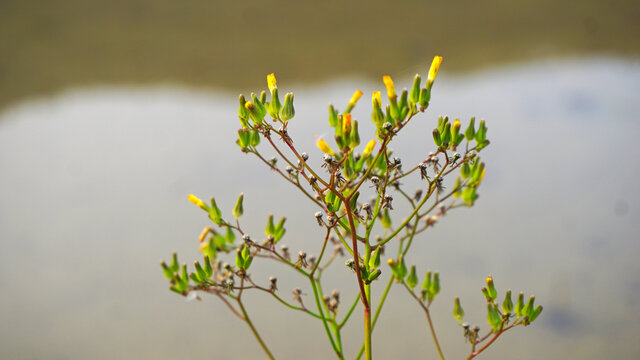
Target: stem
344,321
324,319
255,332
426,311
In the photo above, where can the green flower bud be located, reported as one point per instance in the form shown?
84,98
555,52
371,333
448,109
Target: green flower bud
244,138
386,219
465,170
507,304
239,259
355,135
528,309
374,275
271,228
434,289
374,260
491,289
471,131
436,137
175,265
287,112
446,134
481,135
280,230
519,309
243,113
536,312
402,268
412,280
255,138
426,285
202,275
263,97
238,209
274,105
333,116
493,318
414,97
259,107
207,267
215,214
168,273
230,236
425,96
458,312
377,115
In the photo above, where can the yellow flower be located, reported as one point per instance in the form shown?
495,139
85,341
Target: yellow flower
433,71
196,201
322,145
356,96
346,124
369,148
375,99
271,82
391,91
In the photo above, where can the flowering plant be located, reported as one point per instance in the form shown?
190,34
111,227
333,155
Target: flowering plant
347,221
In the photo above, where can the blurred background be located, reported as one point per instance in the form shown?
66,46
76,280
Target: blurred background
111,112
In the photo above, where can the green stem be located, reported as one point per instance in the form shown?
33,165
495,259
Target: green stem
255,332
324,319
355,303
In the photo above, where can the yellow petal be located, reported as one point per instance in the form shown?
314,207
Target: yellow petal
356,96
322,145
375,98
369,148
391,90
271,82
195,200
433,71
346,124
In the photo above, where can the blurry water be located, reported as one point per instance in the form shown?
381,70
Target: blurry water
93,187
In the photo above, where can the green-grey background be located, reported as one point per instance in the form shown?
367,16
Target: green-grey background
111,112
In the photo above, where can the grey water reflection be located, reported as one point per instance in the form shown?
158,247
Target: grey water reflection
94,182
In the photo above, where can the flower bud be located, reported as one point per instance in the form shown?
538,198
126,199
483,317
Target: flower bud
519,309
491,289
287,112
412,280
470,133
322,145
198,202
238,210
414,96
377,115
354,99
433,71
458,312
507,304
388,83
354,136
493,318
333,116
243,113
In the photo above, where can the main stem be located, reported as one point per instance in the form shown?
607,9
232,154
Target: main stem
367,325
